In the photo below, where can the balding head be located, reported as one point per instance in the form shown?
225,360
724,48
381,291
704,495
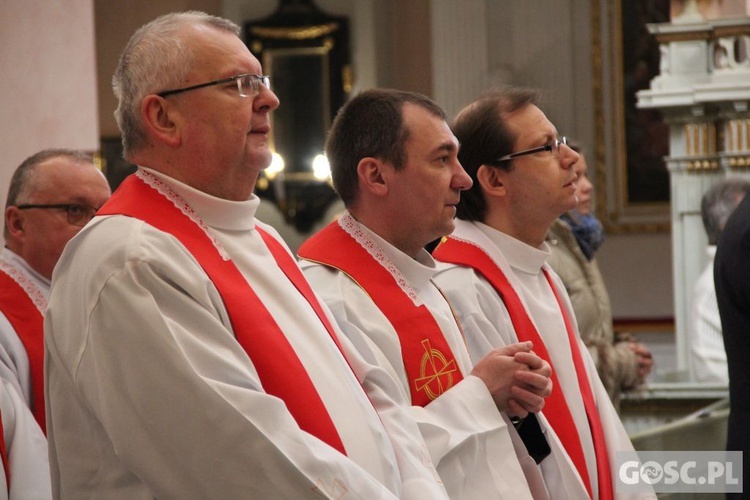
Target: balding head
66,179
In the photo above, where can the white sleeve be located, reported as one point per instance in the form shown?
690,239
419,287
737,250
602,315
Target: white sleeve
482,314
418,475
26,447
14,361
708,355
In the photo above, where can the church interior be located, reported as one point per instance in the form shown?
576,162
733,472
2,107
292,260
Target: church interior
656,92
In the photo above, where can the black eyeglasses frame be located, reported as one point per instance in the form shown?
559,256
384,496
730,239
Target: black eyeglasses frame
87,213
547,147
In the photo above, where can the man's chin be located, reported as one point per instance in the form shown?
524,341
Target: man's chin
448,229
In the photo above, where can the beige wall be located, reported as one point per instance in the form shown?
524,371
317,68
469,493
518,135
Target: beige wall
48,96
116,21
409,51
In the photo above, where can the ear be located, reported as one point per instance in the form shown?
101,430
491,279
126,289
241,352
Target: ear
492,180
14,222
161,119
373,176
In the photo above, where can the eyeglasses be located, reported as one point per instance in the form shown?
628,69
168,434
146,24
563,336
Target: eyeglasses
78,215
553,147
247,85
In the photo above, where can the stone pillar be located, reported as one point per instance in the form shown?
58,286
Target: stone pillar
704,90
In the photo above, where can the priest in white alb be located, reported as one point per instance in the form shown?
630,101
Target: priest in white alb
186,355
393,162
503,290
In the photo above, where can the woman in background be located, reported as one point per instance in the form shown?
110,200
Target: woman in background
622,363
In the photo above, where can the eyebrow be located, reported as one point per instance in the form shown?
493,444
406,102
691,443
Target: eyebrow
546,139
448,147
550,136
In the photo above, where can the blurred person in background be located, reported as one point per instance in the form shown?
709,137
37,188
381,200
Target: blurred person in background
707,353
574,238
52,195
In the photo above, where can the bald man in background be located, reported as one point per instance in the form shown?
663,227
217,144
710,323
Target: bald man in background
52,195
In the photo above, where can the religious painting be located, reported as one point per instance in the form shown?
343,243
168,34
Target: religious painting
633,142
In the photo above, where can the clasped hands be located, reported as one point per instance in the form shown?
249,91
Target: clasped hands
518,379
645,361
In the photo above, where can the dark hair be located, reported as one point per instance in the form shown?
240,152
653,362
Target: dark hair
22,179
370,125
482,131
719,202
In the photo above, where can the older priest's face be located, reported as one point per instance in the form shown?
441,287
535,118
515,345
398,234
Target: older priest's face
226,134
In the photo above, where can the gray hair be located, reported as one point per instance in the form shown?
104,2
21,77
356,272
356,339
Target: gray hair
719,202
23,181
154,59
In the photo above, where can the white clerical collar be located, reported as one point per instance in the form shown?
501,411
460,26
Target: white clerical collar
416,271
215,212
519,255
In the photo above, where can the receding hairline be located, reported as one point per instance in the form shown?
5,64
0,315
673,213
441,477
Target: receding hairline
34,171
25,177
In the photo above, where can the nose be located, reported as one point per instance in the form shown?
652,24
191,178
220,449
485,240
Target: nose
585,184
266,100
568,157
461,180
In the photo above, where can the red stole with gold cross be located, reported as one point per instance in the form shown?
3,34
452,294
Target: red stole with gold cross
28,322
556,408
431,367
280,370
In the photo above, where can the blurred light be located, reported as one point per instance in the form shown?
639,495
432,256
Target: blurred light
321,168
276,166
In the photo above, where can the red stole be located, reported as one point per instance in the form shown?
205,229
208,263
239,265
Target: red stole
28,323
429,362
595,423
556,407
280,370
